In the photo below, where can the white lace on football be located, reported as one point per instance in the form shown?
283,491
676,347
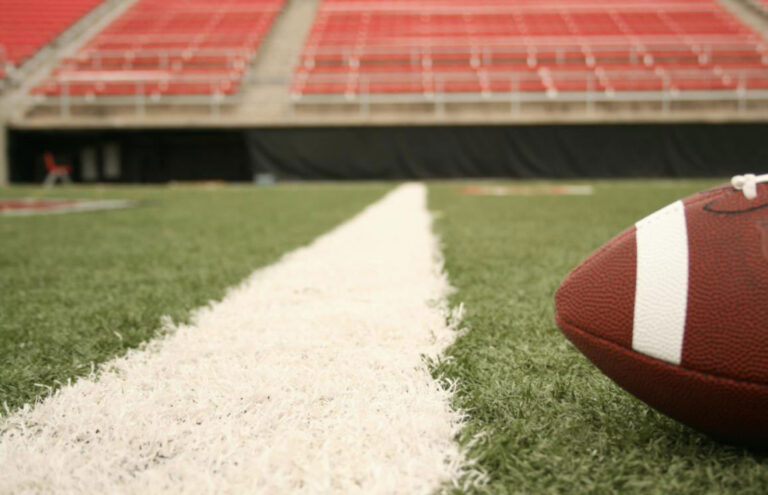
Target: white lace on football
747,183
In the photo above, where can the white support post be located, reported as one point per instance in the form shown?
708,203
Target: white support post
365,96
741,93
64,100
216,98
295,97
140,99
440,96
591,93
514,96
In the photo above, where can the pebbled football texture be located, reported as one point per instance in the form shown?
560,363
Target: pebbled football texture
718,380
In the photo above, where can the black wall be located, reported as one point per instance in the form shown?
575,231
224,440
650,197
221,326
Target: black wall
557,151
145,155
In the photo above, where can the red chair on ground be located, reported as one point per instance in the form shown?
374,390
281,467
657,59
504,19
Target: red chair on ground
56,171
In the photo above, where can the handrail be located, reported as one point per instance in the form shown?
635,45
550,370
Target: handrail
87,53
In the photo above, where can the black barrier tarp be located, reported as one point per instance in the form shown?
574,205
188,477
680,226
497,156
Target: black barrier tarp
408,152
520,151
146,155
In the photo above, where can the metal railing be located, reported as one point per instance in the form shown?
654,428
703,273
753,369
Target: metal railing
555,50
493,8
517,89
140,100
235,58
438,91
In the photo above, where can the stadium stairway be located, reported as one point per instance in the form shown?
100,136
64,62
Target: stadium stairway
758,6
267,90
748,15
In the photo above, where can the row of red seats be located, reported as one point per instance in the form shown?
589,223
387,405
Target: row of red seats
588,54
328,38
168,47
502,5
28,25
367,46
346,27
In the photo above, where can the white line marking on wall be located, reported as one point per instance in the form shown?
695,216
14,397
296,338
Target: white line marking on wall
307,378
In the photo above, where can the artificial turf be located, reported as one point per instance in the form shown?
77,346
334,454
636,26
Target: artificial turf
82,288
78,289
542,419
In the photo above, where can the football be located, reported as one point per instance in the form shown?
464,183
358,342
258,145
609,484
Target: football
675,310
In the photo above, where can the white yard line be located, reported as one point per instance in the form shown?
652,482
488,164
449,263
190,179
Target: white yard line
307,378
74,207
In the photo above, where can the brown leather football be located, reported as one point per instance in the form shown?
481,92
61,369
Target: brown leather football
675,310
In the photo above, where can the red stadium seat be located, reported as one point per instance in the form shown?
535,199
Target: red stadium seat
167,47
28,25
482,46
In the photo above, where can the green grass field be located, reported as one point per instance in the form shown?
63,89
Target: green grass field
543,418
82,288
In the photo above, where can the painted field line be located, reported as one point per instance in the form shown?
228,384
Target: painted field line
307,378
29,207
528,190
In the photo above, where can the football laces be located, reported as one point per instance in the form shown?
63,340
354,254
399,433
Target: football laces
747,183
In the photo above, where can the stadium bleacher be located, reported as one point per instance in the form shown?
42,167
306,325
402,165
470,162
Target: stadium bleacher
167,47
28,25
551,47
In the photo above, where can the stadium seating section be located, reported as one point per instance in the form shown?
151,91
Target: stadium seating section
548,46
28,25
168,47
